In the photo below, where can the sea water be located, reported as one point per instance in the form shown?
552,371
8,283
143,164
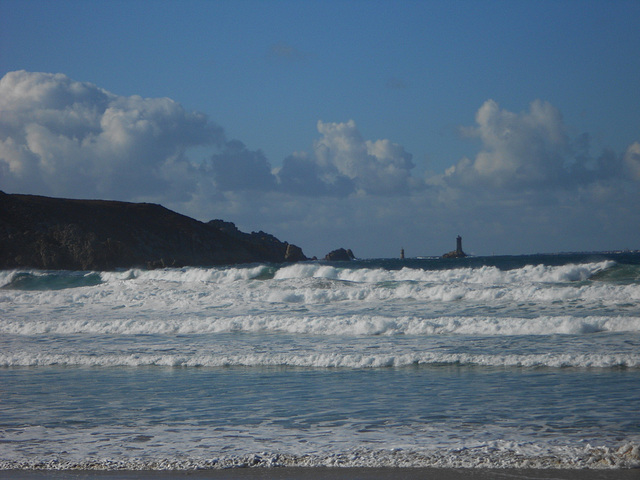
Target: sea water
519,361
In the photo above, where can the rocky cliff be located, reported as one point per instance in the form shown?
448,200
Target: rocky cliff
54,233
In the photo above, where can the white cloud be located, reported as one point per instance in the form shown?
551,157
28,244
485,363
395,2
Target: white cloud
62,137
532,152
528,186
527,149
344,162
67,138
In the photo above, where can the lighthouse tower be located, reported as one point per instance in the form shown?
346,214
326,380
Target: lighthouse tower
457,253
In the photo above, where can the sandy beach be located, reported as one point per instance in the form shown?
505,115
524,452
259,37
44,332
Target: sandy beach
332,474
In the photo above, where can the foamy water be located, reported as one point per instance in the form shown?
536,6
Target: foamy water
510,361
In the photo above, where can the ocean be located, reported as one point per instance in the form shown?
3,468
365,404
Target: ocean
483,362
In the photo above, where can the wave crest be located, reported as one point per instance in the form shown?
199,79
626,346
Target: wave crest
350,325
324,360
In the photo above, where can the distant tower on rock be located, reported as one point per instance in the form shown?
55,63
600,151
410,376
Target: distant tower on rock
457,253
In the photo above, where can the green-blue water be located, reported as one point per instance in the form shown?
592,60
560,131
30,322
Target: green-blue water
496,361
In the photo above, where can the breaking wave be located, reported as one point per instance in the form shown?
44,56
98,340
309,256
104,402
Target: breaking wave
55,280
323,360
349,325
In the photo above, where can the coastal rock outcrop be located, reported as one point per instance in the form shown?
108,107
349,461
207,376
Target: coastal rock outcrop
65,234
340,255
294,254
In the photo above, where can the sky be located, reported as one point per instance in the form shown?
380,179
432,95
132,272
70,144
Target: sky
371,125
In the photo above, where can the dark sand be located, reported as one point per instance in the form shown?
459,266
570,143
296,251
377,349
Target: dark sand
293,473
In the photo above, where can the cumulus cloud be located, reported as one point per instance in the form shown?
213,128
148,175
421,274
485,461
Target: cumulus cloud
344,162
518,149
66,138
532,151
63,137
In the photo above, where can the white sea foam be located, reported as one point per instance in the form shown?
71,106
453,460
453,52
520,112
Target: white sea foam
189,275
480,275
324,301
6,277
350,325
188,290
625,457
193,448
322,360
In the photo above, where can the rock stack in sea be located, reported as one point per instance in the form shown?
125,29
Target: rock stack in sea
340,255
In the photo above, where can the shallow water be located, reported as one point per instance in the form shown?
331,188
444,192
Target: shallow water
504,362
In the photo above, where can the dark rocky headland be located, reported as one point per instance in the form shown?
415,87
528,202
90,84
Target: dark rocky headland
64,234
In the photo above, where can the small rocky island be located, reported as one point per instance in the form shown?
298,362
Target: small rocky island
340,255
457,253
64,234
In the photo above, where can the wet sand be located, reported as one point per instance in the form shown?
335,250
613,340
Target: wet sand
294,473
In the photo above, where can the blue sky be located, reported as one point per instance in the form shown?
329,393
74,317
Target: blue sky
372,125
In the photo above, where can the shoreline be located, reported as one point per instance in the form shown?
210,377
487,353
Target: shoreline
330,473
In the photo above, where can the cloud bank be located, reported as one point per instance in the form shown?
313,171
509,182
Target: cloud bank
530,150
529,178
62,137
